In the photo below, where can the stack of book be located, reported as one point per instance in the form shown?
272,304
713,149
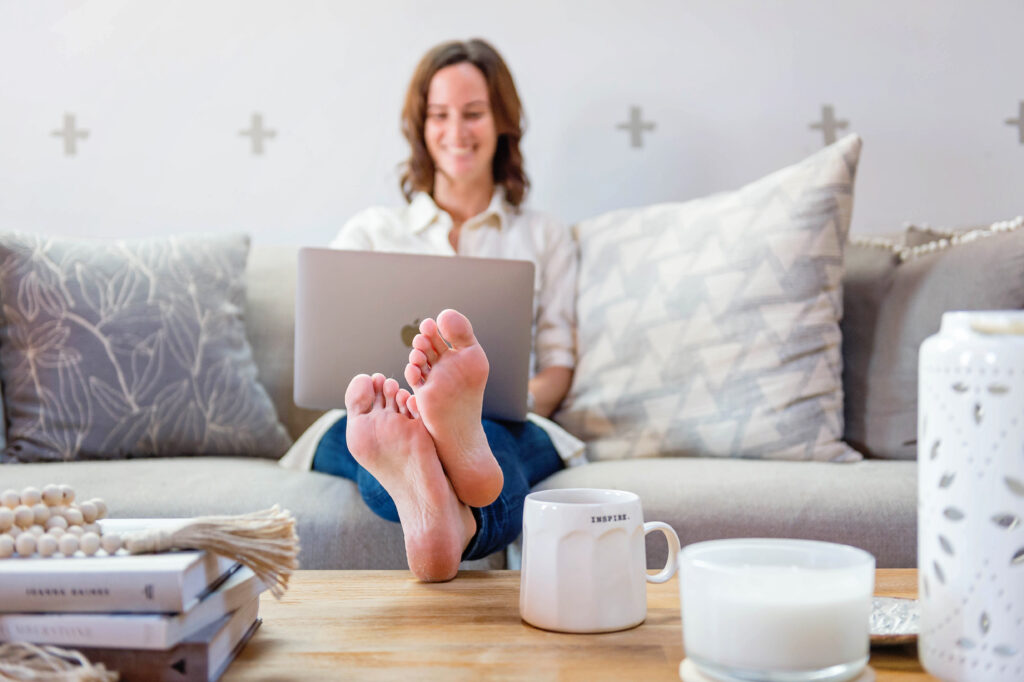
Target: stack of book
176,616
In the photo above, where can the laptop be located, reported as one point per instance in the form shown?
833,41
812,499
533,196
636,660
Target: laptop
356,312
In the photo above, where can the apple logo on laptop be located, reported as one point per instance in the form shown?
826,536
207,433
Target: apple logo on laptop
410,331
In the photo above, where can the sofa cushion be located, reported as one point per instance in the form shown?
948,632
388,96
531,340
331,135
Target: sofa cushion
336,529
129,348
711,327
871,505
918,235
271,277
894,296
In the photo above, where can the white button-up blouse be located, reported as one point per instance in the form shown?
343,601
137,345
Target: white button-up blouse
501,231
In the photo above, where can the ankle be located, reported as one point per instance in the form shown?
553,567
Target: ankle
469,525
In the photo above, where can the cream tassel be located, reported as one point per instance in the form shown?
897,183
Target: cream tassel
24,662
265,541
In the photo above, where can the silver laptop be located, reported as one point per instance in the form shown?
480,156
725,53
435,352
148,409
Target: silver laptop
356,312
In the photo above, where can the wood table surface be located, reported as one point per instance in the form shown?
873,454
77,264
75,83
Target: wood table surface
376,625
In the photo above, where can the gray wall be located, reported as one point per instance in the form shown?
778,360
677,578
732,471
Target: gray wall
732,86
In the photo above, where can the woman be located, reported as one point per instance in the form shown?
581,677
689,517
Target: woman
457,483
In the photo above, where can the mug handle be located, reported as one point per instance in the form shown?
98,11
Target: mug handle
673,551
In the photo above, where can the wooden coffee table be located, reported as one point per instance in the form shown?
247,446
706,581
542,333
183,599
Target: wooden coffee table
369,625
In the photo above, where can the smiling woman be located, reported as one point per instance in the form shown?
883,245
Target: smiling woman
462,98
459,131
456,482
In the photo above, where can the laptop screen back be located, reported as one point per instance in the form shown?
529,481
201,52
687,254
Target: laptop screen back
356,312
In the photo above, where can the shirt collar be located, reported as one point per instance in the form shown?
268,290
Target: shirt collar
423,212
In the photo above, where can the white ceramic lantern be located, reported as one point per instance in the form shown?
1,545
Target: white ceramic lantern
971,497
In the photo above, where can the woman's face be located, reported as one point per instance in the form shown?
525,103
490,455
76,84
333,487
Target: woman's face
460,132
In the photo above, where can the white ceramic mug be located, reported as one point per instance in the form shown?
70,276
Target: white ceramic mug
584,565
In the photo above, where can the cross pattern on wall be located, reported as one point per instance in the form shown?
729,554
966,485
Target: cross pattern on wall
258,133
636,127
71,135
828,124
1019,122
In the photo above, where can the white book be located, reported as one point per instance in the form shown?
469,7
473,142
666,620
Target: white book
140,583
229,639
132,630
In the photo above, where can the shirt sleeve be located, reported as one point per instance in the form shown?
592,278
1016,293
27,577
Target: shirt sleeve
555,344
356,234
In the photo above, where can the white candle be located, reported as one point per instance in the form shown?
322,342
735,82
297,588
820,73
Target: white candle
750,605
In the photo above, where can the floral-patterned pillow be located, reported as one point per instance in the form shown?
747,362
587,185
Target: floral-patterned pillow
113,349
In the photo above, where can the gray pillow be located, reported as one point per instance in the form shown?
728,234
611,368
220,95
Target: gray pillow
894,297
711,327
870,269
919,235
112,349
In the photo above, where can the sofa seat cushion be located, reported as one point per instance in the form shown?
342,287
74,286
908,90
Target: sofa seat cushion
336,529
870,504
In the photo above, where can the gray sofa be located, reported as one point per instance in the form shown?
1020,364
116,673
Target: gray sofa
870,504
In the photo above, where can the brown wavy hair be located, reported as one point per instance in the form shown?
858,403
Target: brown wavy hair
509,120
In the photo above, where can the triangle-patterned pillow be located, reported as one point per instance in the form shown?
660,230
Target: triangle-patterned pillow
711,327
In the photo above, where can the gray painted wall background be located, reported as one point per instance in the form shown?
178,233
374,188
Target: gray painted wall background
732,86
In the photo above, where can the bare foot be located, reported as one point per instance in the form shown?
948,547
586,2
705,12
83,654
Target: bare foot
393,445
448,387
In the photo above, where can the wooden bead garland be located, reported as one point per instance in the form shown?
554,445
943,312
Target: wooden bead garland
48,523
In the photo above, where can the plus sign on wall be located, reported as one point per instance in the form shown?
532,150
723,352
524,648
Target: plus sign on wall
70,134
1019,122
636,127
828,124
258,133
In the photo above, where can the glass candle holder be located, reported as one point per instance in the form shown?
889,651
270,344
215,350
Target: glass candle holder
776,610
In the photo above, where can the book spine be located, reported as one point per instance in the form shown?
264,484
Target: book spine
192,661
134,592
84,630
187,662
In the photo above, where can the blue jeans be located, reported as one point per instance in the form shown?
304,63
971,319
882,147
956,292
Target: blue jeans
523,451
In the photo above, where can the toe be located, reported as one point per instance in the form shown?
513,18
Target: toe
390,391
410,405
359,395
414,375
455,327
378,389
401,398
418,358
422,344
429,329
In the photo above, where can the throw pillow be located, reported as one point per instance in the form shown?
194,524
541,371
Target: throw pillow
711,327
129,348
894,300
918,235
870,268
